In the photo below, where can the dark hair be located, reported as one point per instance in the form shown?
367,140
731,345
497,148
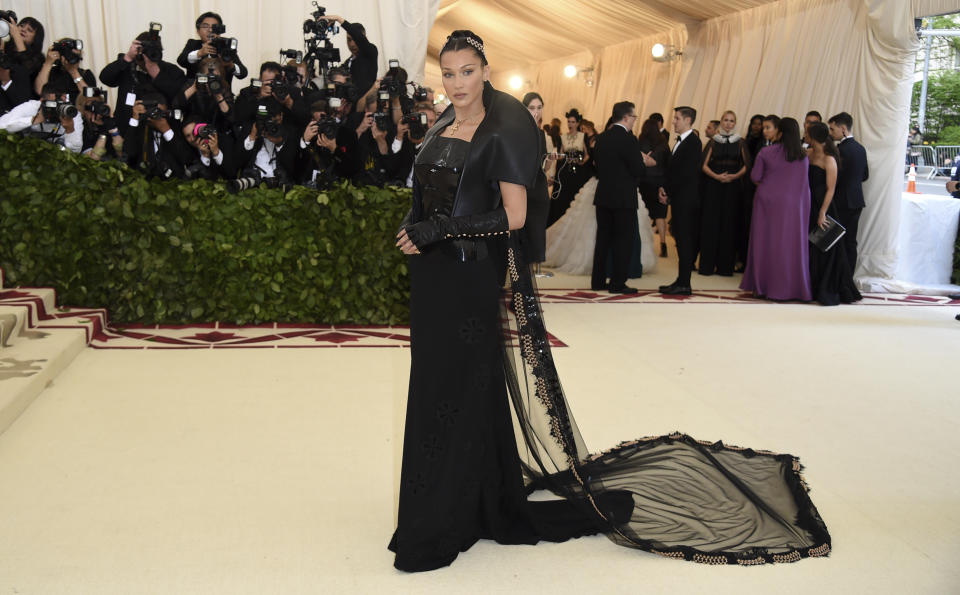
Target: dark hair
529,97
820,132
462,39
336,70
775,119
398,73
650,132
360,28
790,139
37,45
656,116
270,65
621,109
146,35
716,123
575,114
687,112
814,113
153,96
52,88
843,119
208,15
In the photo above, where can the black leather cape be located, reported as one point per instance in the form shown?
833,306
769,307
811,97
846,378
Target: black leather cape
505,148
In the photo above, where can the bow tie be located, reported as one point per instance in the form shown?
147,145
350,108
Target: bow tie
679,139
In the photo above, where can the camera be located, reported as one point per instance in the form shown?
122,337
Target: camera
210,83
226,47
420,94
296,55
68,49
318,26
286,82
97,108
152,48
266,125
218,29
8,15
417,121
53,110
251,181
153,111
256,83
328,127
95,92
204,131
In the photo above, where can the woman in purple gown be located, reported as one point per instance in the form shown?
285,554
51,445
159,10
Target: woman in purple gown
778,257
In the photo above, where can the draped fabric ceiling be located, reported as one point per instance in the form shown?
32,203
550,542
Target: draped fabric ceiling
751,56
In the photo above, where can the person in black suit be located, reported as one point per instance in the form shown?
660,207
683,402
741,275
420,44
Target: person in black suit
197,49
269,146
362,62
682,192
15,87
619,164
853,173
150,144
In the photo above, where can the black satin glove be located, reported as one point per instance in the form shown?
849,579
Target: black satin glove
442,227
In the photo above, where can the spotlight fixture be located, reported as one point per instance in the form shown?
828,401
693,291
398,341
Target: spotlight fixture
516,82
570,71
665,53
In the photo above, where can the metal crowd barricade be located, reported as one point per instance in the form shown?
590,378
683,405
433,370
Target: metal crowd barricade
925,158
948,157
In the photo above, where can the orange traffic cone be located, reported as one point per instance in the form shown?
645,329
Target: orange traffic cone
912,180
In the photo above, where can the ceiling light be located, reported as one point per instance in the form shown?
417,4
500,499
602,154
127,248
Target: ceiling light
665,53
516,82
658,50
570,71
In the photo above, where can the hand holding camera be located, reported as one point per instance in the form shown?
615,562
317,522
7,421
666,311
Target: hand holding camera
133,52
311,132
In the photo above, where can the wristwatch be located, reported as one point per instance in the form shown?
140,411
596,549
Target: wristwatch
78,79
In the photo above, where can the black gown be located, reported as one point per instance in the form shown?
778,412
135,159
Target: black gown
477,337
720,208
830,276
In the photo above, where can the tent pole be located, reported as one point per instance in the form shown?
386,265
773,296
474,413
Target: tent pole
922,116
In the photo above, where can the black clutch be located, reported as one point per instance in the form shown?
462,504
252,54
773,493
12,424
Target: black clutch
824,239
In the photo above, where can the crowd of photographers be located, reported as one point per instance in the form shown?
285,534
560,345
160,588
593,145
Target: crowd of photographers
306,119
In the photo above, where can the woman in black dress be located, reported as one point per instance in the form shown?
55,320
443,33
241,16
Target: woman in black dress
573,168
830,276
726,161
474,341
653,142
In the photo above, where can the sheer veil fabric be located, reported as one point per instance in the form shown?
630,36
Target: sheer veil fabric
692,500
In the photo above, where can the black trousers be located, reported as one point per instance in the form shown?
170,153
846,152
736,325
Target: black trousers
718,227
616,229
850,220
686,225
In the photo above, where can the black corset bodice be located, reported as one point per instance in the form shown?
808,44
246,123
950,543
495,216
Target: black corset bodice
726,158
438,168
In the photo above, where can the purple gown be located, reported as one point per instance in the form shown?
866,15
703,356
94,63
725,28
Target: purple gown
779,256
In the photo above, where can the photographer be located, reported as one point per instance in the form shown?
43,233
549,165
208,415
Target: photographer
102,140
15,86
212,159
273,84
51,118
269,147
410,134
207,95
62,68
210,44
321,160
139,71
362,62
151,143
25,46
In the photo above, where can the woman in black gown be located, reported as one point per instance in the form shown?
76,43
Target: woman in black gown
475,341
726,161
830,276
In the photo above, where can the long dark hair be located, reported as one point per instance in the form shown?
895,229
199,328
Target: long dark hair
37,45
790,139
820,133
529,97
463,39
753,119
650,132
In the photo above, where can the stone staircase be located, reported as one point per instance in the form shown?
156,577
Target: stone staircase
37,342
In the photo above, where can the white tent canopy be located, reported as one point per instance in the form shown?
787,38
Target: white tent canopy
751,56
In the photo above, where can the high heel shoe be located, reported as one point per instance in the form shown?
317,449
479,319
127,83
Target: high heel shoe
663,249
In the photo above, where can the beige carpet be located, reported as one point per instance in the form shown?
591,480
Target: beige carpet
275,471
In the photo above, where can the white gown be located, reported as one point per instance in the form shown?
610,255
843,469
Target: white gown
571,240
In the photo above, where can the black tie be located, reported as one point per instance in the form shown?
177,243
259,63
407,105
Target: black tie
679,139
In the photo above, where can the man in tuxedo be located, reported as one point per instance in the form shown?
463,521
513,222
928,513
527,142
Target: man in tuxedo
209,27
682,191
619,164
850,178
152,143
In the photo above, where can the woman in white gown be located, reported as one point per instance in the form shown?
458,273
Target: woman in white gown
570,241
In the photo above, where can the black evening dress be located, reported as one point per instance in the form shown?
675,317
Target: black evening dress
830,276
720,207
479,345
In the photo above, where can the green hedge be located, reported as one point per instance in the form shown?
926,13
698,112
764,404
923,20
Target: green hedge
186,252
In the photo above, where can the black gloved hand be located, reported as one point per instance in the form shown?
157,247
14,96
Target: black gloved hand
442,227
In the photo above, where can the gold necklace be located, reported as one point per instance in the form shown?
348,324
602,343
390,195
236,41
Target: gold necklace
457,123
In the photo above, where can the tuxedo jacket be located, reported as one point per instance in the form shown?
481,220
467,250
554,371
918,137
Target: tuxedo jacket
19,91
164,159
619,165
121,75
286,157
683,173
852,174
239,71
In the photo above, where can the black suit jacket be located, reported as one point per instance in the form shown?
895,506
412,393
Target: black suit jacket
122,75
683,173
239,71
619,164
19,91
363,67
165,159
851,176
287,155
